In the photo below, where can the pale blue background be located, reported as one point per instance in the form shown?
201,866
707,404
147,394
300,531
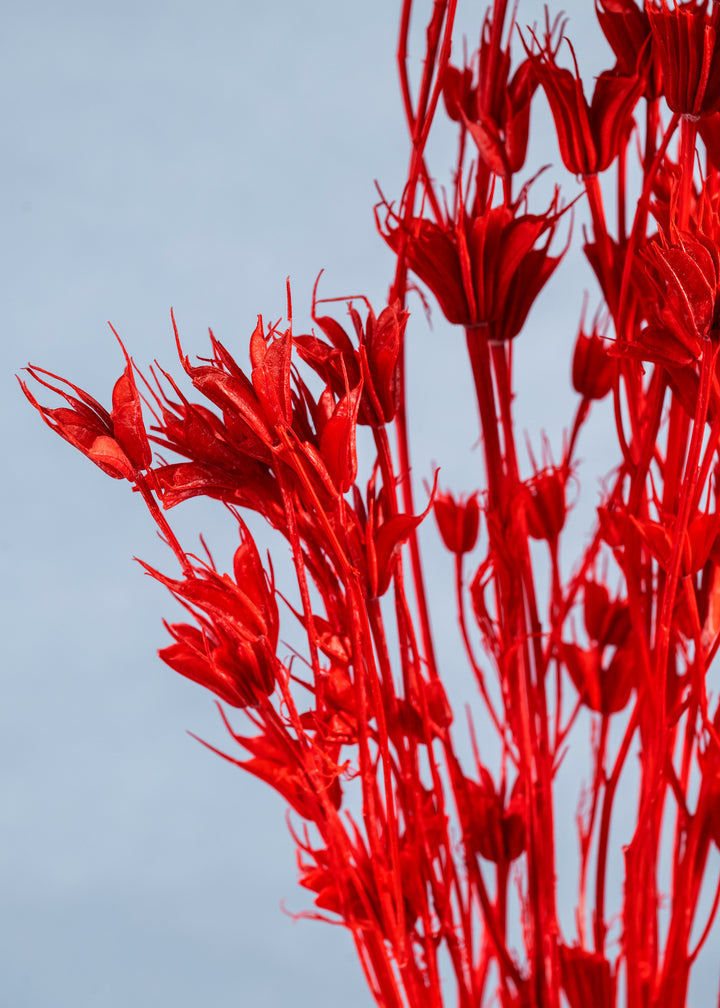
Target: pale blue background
187,154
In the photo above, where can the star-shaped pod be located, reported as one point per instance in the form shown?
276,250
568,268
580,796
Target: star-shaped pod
589,135
486,267
494,108
686,42
115,440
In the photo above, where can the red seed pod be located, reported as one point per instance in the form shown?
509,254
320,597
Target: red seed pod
586,978
458,521
607,623
232,651
374,365
613,524
380,345
545,507
281,762
685,38
270,357
238,671
590,135
627,29
592,367
681,278
117,441
485,268
497,833
605,690
496,109
439,707
337,441
459,94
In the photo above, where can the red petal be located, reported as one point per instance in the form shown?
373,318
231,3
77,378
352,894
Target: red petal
127,421
337,441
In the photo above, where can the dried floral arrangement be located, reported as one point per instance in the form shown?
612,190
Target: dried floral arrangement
444,868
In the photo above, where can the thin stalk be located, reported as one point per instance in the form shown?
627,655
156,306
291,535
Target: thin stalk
604,835
681,523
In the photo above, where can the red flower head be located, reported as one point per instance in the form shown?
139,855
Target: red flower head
114,441
232,650
458,521
484,269
219,466
496,109
270,359
357,895
627,29
337,455
603,688
587,978
375,362
545,507
592,367
376,539
252,407
686,42
282,763
607,623
496,830
683,278
589,135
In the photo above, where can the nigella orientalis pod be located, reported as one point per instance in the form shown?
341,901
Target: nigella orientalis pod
608,638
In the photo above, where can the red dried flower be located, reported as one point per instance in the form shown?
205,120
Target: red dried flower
357,895
224,459
495,830
593,369
375,540
485,270
607,623
250,415
495,109
282,763
544,500
686,41
337,438
603,689
116,441
458,521
627,29
232,652
589,136
682,304
270,358
587,978
698,541
374,363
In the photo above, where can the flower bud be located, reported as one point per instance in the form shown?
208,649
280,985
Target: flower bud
592,367
545,504
458,521
495,829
